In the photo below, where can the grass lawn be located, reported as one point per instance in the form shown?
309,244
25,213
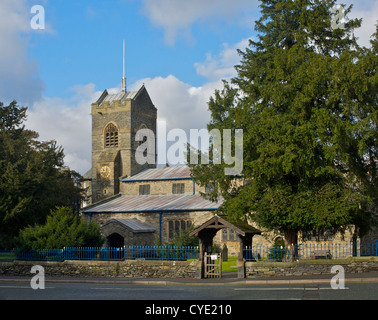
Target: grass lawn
5,256
230,265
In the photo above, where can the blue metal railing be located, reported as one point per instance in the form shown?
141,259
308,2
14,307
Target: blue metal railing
369,248
38,255
104,254
254,253
311,251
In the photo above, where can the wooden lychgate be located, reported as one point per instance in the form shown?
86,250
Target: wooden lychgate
209,229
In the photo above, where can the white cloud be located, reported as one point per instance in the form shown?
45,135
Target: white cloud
222,66
19,79
180,105
183,106
368,11
175,16
68,121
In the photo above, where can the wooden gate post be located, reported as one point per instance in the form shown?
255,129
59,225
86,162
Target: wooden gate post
241,259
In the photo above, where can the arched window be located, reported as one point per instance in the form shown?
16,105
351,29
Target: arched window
111,136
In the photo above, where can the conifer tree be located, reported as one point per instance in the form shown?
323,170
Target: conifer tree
305,96
33,179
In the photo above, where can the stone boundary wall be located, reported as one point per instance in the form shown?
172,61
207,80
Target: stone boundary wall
106,269
185,269
309,267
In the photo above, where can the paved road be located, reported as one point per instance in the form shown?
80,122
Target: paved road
206,292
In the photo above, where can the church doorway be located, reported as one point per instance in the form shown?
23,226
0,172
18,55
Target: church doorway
115,241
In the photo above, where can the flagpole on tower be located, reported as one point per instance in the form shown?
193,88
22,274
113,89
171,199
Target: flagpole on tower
123,78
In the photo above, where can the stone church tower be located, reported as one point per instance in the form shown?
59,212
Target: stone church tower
115,120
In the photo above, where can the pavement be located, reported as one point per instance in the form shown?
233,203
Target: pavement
228,278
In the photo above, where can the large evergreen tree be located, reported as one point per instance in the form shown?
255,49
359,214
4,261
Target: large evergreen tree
33,179
306,98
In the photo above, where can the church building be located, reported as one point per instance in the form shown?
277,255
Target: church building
137,204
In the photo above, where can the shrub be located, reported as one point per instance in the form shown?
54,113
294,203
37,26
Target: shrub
62,229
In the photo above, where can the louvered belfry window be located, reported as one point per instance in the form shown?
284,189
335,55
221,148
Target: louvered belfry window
111,136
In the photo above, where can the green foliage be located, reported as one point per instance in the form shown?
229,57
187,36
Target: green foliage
306,99
184,239
278,251
62,229
32,177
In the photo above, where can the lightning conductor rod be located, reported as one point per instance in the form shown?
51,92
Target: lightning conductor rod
123,78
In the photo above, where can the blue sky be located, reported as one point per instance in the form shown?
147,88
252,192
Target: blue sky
181,50
83,44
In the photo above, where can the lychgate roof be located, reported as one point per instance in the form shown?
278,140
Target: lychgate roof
217,222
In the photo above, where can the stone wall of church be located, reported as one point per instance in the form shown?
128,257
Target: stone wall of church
113,158
168,222
143,115
129,237
119,114
196,219
158,187
128,117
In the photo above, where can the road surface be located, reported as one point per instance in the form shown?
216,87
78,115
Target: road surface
103,291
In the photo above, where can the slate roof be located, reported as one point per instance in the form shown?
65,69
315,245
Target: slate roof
121,96
153,203
88,175
155,174
133,225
